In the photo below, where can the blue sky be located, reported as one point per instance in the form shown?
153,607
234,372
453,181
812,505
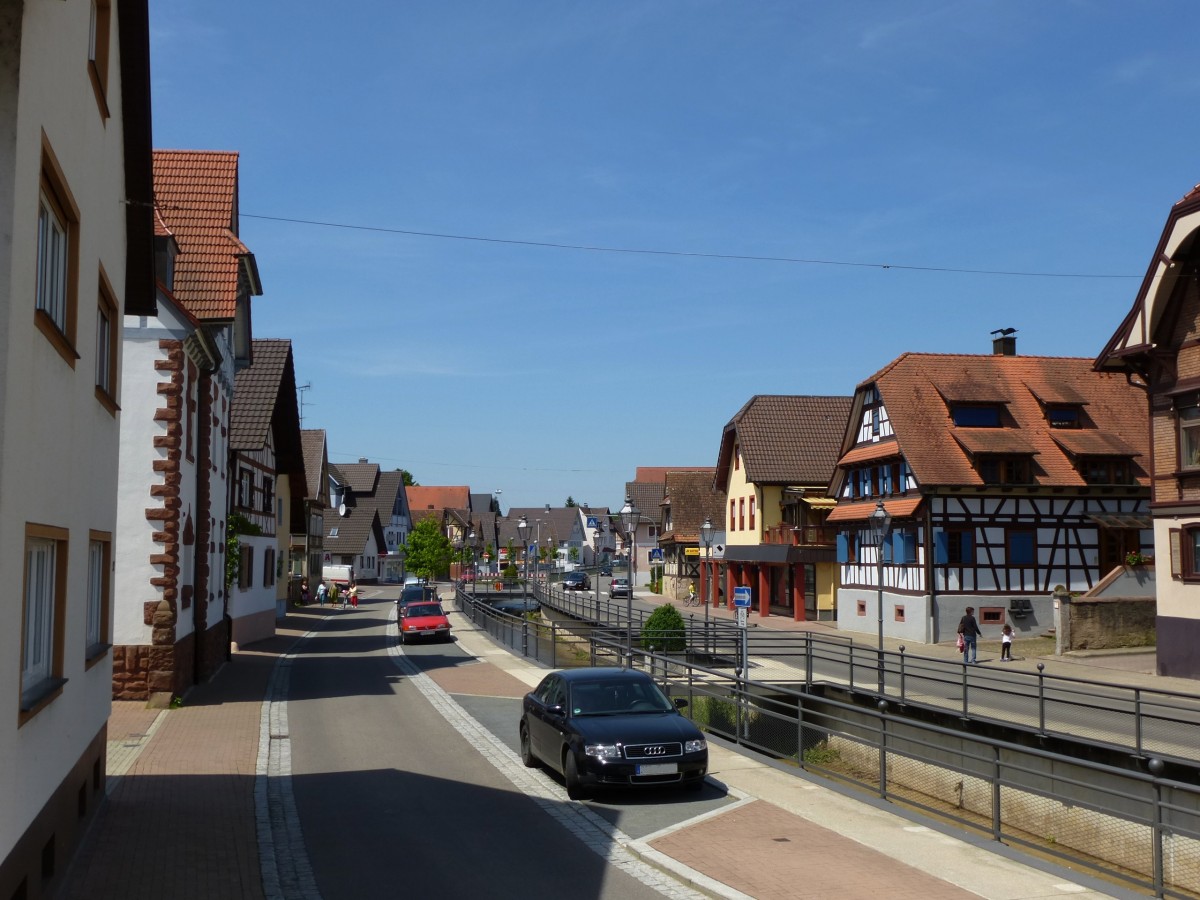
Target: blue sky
1011,137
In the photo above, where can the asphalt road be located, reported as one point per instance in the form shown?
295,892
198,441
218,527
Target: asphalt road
394,801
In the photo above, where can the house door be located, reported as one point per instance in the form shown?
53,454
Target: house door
1115,543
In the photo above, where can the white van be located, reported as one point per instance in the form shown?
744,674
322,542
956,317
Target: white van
342,575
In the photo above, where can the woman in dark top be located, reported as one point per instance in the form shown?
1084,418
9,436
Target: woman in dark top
969,629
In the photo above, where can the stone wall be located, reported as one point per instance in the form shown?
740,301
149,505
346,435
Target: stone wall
1107,624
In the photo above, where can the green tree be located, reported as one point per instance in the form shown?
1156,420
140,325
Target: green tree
406,478
664,630
428,551
570,502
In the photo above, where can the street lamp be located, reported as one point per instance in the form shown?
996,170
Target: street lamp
472,539
880,522
706,535
598,537
523,532
629,518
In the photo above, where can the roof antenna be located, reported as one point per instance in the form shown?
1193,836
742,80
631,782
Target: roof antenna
302,388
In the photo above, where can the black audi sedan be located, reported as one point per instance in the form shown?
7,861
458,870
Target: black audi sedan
610,728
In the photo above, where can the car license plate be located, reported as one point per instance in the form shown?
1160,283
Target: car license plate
658,769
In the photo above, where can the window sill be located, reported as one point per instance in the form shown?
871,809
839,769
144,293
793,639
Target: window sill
96,654
38,697
48,327
106,400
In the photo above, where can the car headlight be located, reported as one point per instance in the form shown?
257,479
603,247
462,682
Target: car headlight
603,751
695,746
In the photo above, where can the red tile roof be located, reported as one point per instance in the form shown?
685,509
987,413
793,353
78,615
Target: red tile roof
913,387
422,499
785,439
195,193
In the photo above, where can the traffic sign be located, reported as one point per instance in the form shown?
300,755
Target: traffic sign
592,521
741,597
656,554
742,614
691,551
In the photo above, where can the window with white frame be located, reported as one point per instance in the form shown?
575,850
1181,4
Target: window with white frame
96,636
37,651
106,344
52,262
44,591
1189,437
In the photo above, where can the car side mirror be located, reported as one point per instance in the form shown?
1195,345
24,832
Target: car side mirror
555,710
680,702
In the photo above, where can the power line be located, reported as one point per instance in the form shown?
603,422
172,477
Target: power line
743,257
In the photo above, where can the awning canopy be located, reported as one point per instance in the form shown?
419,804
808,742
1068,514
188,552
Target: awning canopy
903,508
1121,520
820,502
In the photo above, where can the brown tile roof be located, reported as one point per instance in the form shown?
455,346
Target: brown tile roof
422,499
938,453
692,497
786,439
196,196
312,440
361,476
353,529
857,512
257,392
647,496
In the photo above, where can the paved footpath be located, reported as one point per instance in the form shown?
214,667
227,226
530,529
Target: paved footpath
180,821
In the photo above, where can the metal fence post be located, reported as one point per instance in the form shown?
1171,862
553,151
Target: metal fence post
525,637
553,645
1137,720
902,675
882,706
808,660
996,817
1041,667
1156,831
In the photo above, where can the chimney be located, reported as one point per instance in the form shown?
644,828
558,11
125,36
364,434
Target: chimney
362,459
1003,342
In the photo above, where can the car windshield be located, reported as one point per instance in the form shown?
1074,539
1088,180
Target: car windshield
416,610
617,698
416,592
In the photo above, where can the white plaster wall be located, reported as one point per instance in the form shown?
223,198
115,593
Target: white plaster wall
1176,599
135,533
58,445
257,598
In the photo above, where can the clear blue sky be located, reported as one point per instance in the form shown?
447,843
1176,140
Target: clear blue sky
1005,136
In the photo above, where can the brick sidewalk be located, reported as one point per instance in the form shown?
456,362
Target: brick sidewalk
181,822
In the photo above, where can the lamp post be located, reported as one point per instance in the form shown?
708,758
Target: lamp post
598,538
880,522
629,518
523,531
472,539
706,535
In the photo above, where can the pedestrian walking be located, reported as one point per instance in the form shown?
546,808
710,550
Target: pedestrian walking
304,595
353,592
1006,637
334,593
969,629
322,592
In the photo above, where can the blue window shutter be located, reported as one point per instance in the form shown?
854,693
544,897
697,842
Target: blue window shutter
904,549
910,546
941,552
903,485
843,547
968,545
887,481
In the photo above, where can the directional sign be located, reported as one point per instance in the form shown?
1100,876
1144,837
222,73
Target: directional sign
741,597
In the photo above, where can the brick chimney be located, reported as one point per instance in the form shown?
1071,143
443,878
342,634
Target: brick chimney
1003,342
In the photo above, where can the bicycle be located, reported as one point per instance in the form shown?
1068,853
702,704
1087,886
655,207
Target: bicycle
691,599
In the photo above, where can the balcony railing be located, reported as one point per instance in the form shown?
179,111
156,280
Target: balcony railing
801,535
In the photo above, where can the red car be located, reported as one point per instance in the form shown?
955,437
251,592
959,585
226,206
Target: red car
468,575
423,621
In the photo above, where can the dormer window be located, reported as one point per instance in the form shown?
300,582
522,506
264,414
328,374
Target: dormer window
1107,470
1003,469
975,416
1062,416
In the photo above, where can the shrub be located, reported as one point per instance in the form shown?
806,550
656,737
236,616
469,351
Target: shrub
664,630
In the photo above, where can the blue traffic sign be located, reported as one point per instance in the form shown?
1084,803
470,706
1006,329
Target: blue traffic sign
741,597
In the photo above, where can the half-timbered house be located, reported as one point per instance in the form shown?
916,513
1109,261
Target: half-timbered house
1157,346
777,456
1003,477
268,466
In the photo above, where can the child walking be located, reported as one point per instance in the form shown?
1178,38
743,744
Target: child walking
1006,637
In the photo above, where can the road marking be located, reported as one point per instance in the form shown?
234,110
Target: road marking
608,842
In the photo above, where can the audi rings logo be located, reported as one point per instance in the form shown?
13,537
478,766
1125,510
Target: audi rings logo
656,751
